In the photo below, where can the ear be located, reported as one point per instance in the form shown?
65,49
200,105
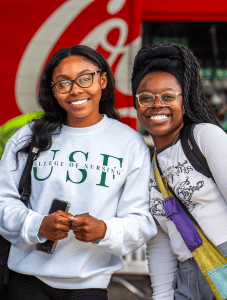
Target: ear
104,80
183,110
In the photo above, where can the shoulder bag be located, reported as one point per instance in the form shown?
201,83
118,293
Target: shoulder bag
25,191
209,258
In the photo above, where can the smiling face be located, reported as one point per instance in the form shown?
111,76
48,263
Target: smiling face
81,104
162,122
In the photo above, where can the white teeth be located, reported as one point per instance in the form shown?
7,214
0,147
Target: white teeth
158,117
79,102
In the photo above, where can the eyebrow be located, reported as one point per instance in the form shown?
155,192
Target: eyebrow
80,73
164,90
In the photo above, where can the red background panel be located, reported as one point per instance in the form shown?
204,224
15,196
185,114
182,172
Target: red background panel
178,10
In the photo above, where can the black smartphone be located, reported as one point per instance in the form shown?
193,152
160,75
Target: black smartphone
49,246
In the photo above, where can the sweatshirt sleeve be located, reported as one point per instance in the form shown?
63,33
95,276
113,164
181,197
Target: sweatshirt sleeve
18,224
133,225
162,265
212,141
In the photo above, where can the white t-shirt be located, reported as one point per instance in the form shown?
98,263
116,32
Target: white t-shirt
204,197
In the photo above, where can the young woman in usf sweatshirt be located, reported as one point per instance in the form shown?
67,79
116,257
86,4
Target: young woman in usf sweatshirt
88,158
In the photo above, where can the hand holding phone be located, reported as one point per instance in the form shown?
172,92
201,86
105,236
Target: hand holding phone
55,226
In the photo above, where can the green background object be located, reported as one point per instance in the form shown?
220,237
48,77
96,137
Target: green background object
10,128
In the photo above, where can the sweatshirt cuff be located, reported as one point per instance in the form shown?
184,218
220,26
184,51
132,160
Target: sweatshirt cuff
106,237
31,229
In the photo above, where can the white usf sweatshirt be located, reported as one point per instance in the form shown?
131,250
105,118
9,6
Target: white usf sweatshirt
104,170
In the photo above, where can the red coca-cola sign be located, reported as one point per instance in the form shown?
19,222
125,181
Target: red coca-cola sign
32,31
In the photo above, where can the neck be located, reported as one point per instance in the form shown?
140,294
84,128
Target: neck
83,121
161,142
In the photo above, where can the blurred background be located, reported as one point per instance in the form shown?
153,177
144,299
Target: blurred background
31,31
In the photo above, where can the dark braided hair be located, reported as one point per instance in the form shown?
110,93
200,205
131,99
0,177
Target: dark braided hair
180,62
54,115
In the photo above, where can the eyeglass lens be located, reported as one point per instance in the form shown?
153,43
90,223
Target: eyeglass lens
65,86
168,98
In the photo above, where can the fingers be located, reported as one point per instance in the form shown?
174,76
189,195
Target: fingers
79,220
88,228
85,227
56,226
64,218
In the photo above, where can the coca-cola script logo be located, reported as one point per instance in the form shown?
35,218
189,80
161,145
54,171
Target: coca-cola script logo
107,26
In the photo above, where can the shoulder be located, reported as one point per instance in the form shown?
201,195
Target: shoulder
209,136
207,130
20,139
9,129
126,130
22,135
127,139
128,135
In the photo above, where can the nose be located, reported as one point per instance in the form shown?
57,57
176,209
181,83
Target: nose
76,89
157,102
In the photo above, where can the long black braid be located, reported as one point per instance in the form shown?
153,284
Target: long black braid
196,105
179,61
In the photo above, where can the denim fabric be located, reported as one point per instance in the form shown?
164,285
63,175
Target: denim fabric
189,282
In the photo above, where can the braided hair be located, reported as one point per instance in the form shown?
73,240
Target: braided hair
180,62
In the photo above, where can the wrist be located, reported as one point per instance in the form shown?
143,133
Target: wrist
41,228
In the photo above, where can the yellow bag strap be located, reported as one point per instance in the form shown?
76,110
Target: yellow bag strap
165,192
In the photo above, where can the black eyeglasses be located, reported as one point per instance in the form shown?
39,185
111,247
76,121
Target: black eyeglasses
168,98
84,81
